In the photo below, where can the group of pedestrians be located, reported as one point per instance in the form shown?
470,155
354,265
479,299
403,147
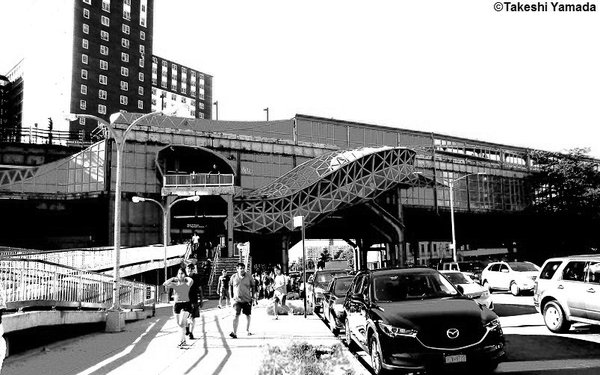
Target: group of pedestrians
241,290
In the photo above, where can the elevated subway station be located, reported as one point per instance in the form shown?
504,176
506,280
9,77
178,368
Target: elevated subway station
364,183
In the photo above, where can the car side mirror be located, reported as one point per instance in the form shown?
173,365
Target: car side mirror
460,289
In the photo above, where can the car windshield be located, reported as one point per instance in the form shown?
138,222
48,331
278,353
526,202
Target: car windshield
522,266
457,278
411,285
322,279
342,286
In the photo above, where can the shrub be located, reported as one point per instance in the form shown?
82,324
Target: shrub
302,358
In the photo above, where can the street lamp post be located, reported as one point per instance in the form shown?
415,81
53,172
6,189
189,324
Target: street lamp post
267,110
216,103
451,186
120,140
166,210
298,221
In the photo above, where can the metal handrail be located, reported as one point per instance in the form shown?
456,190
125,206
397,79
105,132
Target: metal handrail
33,135
31,282
211,278
94,258
198,180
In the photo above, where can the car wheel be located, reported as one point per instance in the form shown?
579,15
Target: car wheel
487,285
514,289
554,317
376,357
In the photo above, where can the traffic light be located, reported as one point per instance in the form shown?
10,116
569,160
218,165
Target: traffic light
50,123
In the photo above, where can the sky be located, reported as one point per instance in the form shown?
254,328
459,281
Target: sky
460,68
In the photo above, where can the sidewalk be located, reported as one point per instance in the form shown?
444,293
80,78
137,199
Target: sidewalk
150,346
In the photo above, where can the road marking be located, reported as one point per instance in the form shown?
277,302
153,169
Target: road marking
547,365
123,353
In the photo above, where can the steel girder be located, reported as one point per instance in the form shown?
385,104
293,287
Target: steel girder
323,185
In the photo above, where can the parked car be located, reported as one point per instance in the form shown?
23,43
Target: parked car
333,302
414,319
516,277
317,285
567,291
463,282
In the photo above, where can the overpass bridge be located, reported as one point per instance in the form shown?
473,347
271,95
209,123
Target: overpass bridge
263,159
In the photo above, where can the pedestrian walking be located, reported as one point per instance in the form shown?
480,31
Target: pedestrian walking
241,287
195,302
223,287
181,309
195,243
280,283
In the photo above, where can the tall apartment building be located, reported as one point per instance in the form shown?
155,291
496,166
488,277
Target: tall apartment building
180,88
11,104
95,57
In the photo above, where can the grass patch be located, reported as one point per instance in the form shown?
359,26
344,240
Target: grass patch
302,358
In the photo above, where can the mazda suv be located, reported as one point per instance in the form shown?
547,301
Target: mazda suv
414,319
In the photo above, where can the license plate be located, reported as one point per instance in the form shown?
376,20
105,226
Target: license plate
458,358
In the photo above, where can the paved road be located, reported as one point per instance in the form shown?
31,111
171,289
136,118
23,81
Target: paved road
532,349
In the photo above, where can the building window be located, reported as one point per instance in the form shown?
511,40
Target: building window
164,64
125,29
82,121
82,104
126,15
143,8
86,28
84,58
142,49
102,94
104,35
143,21
89,2
123,99
84,43
141,62
173,86
84,89
200,115
140,90
102,109
140,104
127,2
142,35
103,65
102,79
124,71
106,5
103,50
200,105
124,86
86,13
183,90
104,20
125,42
173,96
141,77
154,80
83,74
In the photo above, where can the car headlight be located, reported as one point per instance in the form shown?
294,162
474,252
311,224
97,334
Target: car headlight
494,324
397,331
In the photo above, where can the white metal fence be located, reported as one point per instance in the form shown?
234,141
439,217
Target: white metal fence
198,180
30,282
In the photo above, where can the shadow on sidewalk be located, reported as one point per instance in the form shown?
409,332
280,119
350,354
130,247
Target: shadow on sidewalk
225,346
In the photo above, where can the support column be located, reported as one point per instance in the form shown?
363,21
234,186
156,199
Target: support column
363,248
229,244
285,247
168,200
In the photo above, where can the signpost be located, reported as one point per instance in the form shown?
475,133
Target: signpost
299,222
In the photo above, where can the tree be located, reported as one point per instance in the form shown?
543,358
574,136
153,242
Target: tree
565,183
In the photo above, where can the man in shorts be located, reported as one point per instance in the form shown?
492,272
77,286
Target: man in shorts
195,302
241,289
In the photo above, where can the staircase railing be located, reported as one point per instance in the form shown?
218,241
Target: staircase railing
213,271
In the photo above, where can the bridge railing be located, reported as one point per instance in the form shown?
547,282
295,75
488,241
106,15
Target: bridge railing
198,180
100,258
30,283
45,136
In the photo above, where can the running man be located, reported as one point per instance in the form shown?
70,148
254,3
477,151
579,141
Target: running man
181,309
241,287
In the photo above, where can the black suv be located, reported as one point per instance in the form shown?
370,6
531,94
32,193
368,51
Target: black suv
414,319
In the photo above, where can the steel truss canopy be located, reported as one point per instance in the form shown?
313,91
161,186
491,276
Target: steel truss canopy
323,185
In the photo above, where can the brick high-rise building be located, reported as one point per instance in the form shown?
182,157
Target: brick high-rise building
95,57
